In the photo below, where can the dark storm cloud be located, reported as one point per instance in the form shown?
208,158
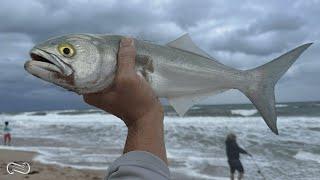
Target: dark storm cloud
40,19
276,22
188,13
266,35
242,34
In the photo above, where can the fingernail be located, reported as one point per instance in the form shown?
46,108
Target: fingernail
126,42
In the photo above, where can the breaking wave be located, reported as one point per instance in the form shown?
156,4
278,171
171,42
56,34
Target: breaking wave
195,144
244,112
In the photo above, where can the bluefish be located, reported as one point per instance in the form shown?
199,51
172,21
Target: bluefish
178,70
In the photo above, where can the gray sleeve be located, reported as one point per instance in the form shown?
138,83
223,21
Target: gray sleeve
136,165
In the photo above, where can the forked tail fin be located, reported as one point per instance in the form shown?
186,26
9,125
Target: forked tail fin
261,81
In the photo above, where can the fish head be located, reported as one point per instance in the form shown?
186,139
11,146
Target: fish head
82,63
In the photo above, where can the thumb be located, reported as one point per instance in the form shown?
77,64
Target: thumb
126,56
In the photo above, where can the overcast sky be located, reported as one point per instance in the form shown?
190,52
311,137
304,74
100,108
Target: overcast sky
239,33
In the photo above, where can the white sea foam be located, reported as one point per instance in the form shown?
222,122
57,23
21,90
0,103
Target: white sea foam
65,118
48,160
244,112
307,156
281,105
195,144
28,149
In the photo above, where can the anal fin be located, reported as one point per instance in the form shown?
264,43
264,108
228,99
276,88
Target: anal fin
182,104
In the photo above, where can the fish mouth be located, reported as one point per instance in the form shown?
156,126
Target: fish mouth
45,62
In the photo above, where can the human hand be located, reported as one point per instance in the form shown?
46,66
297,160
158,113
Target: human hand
130,97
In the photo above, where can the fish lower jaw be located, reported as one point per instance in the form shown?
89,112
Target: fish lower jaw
41,68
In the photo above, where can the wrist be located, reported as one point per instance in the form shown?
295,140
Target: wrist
146,134
153,116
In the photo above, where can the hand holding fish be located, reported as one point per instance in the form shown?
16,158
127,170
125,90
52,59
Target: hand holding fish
132,99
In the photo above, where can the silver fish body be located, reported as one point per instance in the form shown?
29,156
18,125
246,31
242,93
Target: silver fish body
179,70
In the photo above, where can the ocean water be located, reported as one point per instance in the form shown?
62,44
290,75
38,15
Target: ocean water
195,143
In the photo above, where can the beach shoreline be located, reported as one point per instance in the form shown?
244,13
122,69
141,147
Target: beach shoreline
44,171
40,171
90,141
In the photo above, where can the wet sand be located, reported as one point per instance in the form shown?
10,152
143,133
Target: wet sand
43,171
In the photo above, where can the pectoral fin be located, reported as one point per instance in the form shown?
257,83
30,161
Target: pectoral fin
144,66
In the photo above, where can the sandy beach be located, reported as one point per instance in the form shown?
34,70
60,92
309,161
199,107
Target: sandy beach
40,171
43,171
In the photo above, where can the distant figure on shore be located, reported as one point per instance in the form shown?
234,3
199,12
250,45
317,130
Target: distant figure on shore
233,153
6,134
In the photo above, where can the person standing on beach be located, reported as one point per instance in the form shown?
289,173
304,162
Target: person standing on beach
133,101
6,134
233,152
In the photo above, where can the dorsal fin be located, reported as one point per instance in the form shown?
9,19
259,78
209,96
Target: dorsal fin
185,43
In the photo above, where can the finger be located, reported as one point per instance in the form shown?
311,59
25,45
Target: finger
126,56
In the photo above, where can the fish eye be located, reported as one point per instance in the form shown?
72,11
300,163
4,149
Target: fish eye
66,50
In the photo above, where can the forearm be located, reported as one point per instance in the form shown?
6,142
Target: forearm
146,134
